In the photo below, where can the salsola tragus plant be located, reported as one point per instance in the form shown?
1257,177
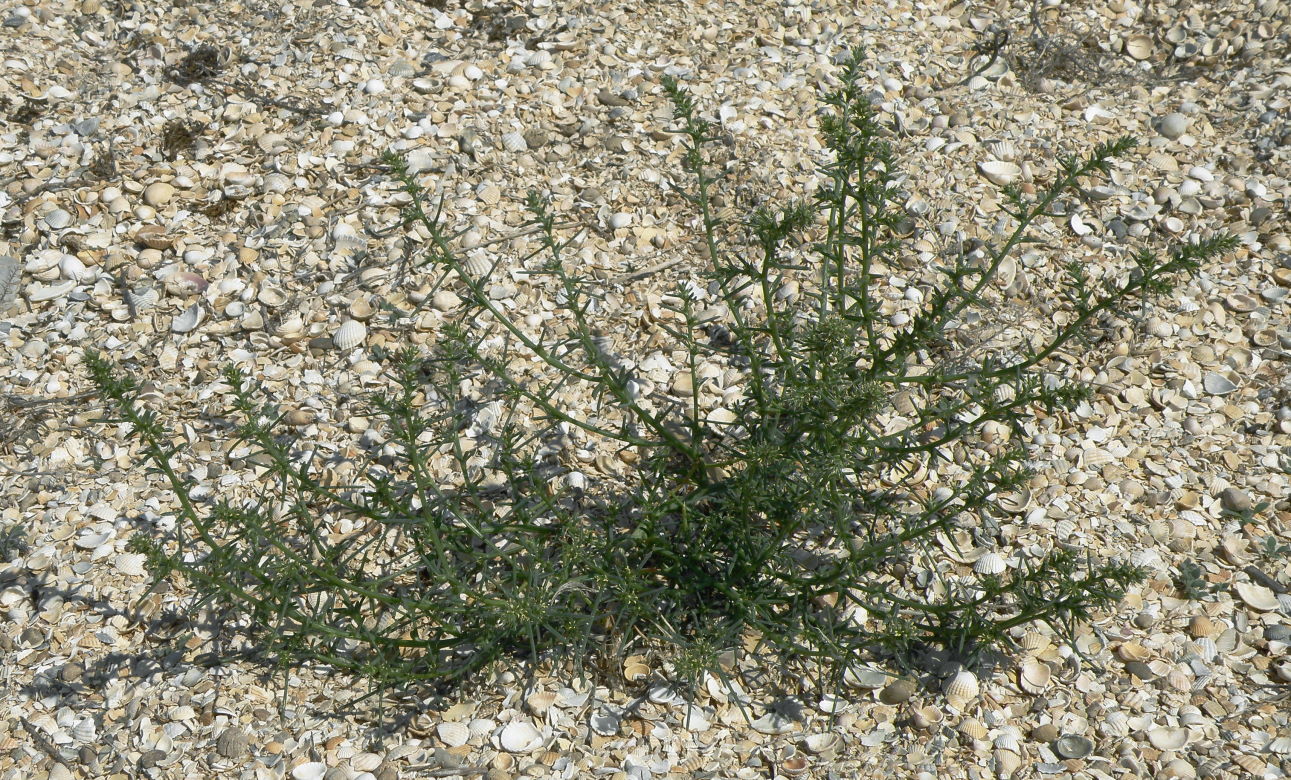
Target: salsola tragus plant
800,520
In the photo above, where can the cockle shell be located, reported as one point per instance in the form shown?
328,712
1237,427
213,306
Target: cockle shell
1133,651
365,762
820,743
962,689
1006,763
794,766
973,728
232,743
1257,597
349,335
519,737
990,563
514,142
999,172
1250,764
310,770
1073,746
143,296
453,734
539,702
1034,676
1279,745
1202,626
131,564
928,717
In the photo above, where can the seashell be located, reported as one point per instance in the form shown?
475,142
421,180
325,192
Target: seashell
773,723
453,733
519,737
1257,597
1206,649
154,237
1133,651
514,142
927,717
898,691
489,194
232,743
349,335
1218,384
186,283
1008,740
142,297
568,697
362,309
1250,764
1073,746
1279,745
84,731
1178,769
1115,724
1190,715
365,762
794,766
990,564
1034,641
1007,763
540,702
972,728
291,327
1034,676
663,693
271,296
1003,150
1139,46
962,689
477,265
188,321
10,273
820,743
131,564
1014,503
310,770
1202,626
999,172
605,722
634,671
1168,738
865,677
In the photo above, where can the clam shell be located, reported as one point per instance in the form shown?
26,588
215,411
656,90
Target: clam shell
820,743
1073,746
865,677
898,691
1015,503
143,296
1133,651
962,689
1008,740
1218,384
232,743
365,762
131,564
929,717
972,728
154,237
1279,745
489,194
188,321
540,701
481,727
349,335
1168,738
1202,626
1139,46
990,563
1034,676
1007,763
1003,150
999,172
794,766
310,770
519,737
1257,597
453,734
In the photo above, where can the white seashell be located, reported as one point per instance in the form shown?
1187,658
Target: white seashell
1190,715
481,727
1257,597
1003,150
605,722
962,689
1218,384
1115,724
820,743
990,563
1139,46
568,697
540,702
1014,503
514,142
1250,764
131,564
142,297
271,296
1007,763
477,265
662,693
365,762
1034,676
188,321
349,335
84,731
519,737
1168,738
999,172
928,717
453,733
865,677
972,728
1008,740
1279,745
310,770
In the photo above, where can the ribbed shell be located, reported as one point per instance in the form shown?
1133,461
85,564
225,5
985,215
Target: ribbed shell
350,335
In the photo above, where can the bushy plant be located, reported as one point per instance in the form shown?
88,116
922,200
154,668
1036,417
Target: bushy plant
798,522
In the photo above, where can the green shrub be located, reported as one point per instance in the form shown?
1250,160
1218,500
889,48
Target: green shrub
790,526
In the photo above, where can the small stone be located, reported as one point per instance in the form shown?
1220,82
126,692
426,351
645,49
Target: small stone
897,691
1046,733
608,98
1172,125
158,194
1235,500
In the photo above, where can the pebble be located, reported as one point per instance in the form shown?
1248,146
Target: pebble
1235,500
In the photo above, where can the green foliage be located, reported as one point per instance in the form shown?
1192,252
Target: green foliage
795,527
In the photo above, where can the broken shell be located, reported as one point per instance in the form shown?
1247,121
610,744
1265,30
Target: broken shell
1034,676
962,689
927,717
1115,724
1250,764
232,743
188,320
1008,739
1279,745
365,762
635,671
310,770
1014,503
865,677
1139,46
142,297
272,297
1073,746
539,702
1133,651
1003,150
514,142
1218,384
990,564
999,172
1257,597
1007,762
131,564
453,734
1168,738
1177,769
794,766
349,335
154,237
519,737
